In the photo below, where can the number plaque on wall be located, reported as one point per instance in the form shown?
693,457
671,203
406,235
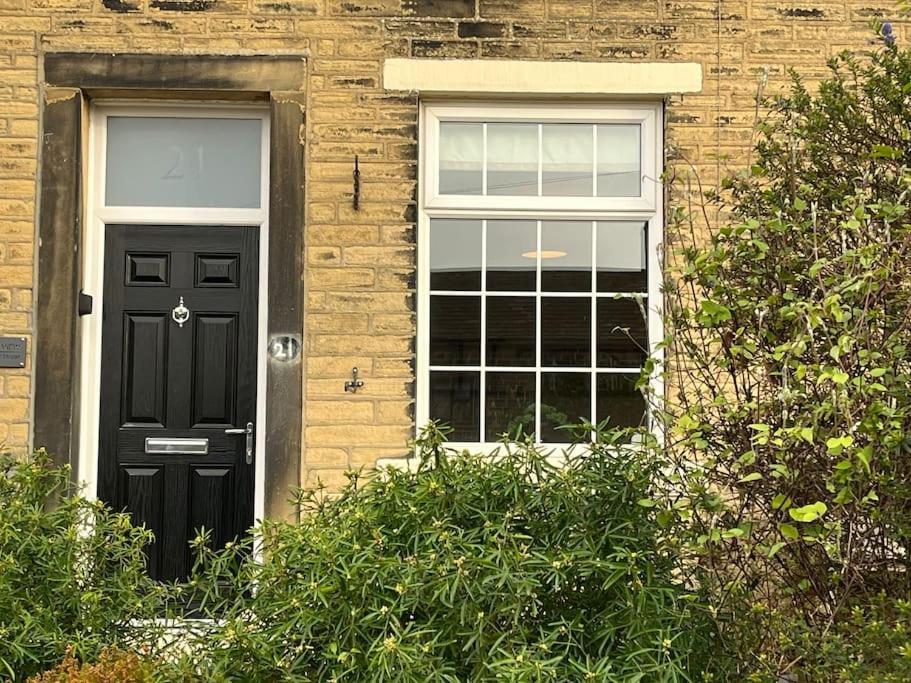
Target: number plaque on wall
12,352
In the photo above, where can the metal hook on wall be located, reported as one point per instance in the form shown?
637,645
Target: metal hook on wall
354,383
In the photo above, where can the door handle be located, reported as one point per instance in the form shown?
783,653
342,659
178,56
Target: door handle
248,431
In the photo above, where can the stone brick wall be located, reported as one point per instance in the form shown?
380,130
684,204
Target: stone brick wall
360,264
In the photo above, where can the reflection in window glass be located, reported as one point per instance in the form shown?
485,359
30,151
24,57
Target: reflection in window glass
511,255
512,159
171,161
566,256
618,401
461,153
568,150
619,172
455,330
455,254
510,405
565,399
622,338
511,331
566,332
621,257
455,398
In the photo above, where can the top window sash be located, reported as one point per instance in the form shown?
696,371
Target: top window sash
645,115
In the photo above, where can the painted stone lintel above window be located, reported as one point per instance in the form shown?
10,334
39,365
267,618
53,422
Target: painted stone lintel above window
501,77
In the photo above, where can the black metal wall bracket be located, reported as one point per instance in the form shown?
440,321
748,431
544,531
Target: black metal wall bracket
353,384
84,307
356,178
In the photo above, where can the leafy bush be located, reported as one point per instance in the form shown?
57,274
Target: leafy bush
72,573
467,568
792,408
113,666
870,644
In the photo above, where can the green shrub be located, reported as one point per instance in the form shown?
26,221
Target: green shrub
467,568
869,644
792,399
72,573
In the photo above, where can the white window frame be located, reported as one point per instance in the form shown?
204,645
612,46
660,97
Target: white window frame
98,215
644,115
648,208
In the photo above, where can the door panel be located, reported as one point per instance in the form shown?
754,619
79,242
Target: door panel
215,379
211,496
141,491
144,360
216,270
147,270
161,379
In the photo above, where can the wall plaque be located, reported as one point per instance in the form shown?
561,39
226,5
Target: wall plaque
12,352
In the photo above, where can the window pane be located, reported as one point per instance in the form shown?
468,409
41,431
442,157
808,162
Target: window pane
455,330
511,331
455,398
510,404
622,338
461,151
568,159
565,332
621,257
455,254
170,161
512,158
566,256
618,401
619,172
511,255
565,399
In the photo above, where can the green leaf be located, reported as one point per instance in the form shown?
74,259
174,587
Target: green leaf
840,377
752,476
837,444
773,551
808,513
686,423
844,495
715,312
864,455
647,503
885,152
789,531
817,267
781,502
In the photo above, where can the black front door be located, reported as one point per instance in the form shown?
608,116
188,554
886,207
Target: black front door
178,383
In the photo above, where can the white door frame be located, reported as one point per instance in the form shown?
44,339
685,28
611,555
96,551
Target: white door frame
97,216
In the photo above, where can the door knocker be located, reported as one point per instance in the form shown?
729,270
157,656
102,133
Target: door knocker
180,314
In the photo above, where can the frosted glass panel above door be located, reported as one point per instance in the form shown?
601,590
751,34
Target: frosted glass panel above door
193,162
